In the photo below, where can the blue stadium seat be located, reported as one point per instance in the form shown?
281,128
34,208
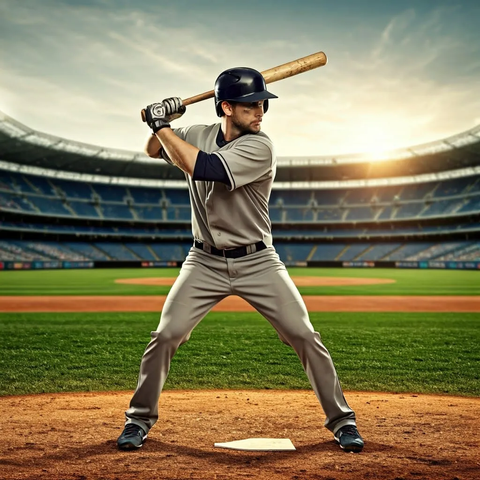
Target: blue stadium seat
378,251
386,213
110,193
88,250
83,209
170,251
146,195
179,213
291,253
327,252
73,189
408,250
149,213
15,202
417,191
178,197
142,251
453,187
360,213
333,214
111,210
353,251
41,184
359,196
472,205
387,194
329,197
441,207
50,206
409,210
116,251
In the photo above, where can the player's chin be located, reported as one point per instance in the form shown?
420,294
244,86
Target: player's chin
255,127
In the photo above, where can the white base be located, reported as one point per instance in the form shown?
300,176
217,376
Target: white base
259,444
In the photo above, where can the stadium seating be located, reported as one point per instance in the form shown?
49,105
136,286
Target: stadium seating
378,251
58,197
116,251
291,253
328,252
143,219
170,251
353,251
84,209
407,251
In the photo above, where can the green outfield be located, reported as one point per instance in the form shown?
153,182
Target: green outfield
102,282
397,352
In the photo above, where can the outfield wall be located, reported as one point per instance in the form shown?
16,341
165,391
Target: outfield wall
58,265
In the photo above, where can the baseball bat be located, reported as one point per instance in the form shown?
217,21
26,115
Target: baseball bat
271,75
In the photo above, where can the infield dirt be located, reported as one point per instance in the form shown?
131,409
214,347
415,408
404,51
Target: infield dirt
73,436
315,303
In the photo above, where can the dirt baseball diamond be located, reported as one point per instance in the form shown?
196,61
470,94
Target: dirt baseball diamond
407,436
299,281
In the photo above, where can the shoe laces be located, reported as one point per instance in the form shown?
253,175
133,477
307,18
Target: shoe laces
350,430
132,429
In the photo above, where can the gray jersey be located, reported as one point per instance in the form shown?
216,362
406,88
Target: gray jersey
228,217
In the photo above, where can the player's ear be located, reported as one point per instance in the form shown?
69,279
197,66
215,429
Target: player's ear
227,108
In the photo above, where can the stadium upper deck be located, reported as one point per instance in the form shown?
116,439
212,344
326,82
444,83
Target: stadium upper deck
24,146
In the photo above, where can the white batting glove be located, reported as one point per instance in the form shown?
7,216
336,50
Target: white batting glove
159,115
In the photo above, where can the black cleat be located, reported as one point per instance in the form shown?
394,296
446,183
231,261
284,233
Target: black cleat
132,437
349,439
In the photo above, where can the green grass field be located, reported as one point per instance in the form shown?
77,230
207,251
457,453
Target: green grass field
102,282
411,352
396,352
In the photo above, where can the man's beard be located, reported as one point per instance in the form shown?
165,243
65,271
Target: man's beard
243,128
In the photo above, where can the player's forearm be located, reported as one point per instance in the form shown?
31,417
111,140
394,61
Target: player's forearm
181,153
153,147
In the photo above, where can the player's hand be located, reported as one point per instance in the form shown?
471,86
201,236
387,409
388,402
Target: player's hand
174,107
159,115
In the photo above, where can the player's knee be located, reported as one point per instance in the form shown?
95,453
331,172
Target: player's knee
300,336
170,336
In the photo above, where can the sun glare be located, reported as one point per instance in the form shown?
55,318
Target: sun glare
375,140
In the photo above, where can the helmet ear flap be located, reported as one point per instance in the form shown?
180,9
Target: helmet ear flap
265,105
218,108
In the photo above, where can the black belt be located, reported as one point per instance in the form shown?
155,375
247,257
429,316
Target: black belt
231,253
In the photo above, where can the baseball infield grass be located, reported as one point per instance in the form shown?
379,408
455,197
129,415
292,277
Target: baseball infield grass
396,352
102,282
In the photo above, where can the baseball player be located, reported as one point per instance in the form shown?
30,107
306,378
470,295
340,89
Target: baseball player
230,167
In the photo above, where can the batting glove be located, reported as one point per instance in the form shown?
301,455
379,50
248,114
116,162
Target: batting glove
159,115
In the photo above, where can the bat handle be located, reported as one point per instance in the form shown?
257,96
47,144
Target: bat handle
143,114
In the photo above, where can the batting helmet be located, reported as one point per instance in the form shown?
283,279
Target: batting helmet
241,84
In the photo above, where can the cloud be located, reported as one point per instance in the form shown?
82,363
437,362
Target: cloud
84,70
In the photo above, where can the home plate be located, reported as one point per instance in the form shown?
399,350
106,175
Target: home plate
258,444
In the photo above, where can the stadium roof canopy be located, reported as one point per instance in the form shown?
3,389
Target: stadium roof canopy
22,145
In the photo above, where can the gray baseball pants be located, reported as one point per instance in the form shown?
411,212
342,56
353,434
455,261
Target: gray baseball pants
263,281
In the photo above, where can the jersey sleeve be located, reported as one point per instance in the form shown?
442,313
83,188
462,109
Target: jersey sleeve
248,161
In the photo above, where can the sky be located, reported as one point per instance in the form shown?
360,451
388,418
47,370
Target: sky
399,73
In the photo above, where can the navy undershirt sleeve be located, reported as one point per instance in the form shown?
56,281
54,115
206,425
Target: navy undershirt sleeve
210,168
